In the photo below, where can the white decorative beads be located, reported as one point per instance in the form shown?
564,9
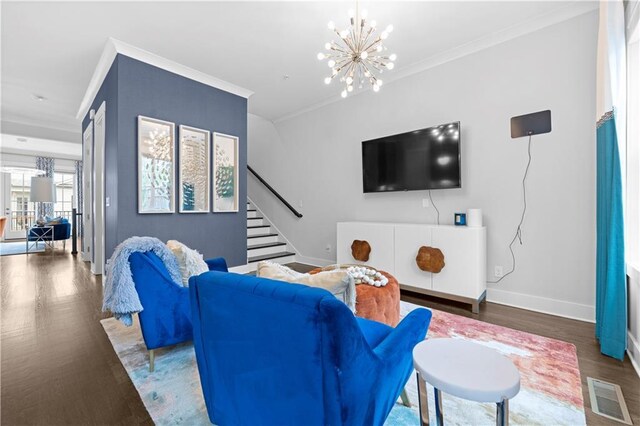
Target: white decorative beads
363,275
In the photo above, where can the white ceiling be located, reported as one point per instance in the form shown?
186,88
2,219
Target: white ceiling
52,48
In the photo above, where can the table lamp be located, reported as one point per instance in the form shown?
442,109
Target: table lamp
42,191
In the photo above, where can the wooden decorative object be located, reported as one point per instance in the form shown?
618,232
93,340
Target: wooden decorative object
360,250
430,259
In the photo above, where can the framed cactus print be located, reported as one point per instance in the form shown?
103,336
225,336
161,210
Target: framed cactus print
193,170
156,166
225,173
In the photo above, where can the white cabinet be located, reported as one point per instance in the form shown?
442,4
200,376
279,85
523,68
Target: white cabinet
394,247
465,263
408,239
378,235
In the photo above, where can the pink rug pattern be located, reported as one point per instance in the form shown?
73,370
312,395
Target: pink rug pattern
551,389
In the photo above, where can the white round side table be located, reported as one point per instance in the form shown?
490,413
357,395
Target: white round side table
467,370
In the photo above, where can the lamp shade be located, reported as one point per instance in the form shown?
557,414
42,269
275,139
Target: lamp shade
42,190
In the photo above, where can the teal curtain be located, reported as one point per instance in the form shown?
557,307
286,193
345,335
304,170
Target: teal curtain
611,285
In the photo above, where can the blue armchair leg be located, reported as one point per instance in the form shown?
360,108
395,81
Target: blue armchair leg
152,359
405,398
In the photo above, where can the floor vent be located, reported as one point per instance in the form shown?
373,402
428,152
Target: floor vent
607,401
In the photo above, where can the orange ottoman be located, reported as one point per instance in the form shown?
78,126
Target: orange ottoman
380,304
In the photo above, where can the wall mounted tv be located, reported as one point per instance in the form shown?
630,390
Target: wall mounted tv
423,159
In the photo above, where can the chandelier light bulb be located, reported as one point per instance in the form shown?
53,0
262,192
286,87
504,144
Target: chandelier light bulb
331,63
379,82
364,55
393,57
343,94
349,88
334,71
320,56
349,80
327,80
367,74
376,88
351,13
384,35
389,28
379,48
390,66
331,25
373,24
344,33
327,46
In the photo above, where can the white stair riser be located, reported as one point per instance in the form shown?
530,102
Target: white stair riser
251,214
282,260
259,231
255,222
267,250
261,240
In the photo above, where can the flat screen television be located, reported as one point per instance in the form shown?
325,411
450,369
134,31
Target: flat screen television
423,159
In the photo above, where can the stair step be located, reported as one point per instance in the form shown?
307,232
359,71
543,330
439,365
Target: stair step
270,256
262,235
258,226
255,218
267,245
252,210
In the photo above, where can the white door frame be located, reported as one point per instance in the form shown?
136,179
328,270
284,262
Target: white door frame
99,133
87,193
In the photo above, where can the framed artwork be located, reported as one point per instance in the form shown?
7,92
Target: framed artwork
225,173
156,166
193,170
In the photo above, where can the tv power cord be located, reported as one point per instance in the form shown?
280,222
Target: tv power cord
434,206
518,234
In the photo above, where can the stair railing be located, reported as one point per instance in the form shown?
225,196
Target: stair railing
274,192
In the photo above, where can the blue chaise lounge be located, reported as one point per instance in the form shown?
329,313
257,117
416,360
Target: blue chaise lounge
166,317
274,353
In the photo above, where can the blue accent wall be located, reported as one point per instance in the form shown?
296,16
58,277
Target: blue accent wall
143,89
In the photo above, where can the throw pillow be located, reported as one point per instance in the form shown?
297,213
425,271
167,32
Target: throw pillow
190,261
338,282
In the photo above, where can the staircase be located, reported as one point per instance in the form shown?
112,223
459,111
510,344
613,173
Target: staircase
263,240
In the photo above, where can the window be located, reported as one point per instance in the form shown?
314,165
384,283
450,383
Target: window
64,194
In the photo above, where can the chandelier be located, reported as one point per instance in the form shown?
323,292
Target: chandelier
359,55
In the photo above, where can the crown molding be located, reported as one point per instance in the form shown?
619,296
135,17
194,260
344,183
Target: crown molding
575,9
113,47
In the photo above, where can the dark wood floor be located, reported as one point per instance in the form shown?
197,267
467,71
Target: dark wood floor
58,367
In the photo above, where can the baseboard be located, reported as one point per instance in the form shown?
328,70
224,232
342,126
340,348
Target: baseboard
633,350
243,269
314,261
544,305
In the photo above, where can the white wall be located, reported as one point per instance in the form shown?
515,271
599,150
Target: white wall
314,160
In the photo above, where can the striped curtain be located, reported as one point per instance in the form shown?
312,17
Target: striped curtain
47,165
611,284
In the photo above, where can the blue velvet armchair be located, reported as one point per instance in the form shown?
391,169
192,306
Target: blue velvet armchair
274,353
166,316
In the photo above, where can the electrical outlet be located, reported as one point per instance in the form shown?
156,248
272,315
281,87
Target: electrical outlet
328,247
425,203
498,271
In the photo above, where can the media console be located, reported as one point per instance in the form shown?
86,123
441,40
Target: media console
394,247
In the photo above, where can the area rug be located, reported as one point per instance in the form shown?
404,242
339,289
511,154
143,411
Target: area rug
551,391
19,247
